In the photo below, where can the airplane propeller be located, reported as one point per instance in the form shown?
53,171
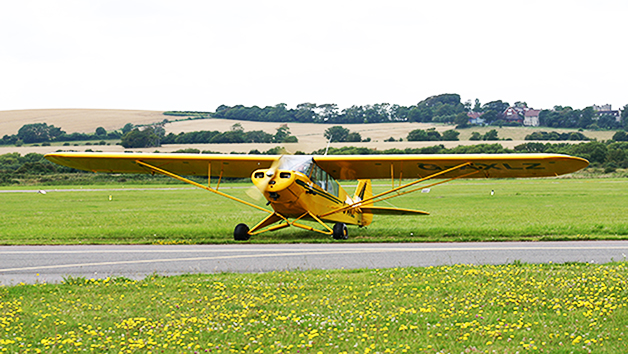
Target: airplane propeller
257,191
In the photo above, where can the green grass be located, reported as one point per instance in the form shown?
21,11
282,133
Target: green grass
531,209
554,308
61,180
569,308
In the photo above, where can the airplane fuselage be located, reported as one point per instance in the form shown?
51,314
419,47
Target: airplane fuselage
293,194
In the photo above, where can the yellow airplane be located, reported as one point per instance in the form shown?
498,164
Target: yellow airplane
305,186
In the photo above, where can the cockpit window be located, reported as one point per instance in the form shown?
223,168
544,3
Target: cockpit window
305,164
324,180
299,163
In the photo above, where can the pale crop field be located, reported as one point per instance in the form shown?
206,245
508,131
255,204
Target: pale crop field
76,120
311,136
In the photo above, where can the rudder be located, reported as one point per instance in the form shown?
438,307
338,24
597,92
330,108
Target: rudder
364,191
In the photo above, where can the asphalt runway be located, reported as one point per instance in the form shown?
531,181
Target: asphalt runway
32,264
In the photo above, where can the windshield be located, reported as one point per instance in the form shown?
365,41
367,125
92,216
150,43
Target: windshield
305,164
299,163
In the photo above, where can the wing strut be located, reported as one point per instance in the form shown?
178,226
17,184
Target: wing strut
328,232
380,197
257,229
269,220
183,179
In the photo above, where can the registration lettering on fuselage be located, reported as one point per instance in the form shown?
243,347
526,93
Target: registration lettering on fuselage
484,166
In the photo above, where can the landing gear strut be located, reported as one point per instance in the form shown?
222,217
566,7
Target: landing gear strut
241,232
340,231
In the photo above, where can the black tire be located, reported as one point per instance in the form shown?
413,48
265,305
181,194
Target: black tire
340,231
241,233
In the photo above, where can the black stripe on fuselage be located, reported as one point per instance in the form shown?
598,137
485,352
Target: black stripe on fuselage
319,191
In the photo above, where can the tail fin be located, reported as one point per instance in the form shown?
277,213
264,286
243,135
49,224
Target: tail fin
364,191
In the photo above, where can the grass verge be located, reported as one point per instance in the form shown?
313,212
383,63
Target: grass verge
554,308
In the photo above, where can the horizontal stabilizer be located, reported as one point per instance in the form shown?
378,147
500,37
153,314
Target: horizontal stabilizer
391,211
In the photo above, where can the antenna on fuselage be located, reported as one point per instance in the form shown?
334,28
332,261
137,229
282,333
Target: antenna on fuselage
327,148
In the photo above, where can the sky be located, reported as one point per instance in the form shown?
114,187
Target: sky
197,55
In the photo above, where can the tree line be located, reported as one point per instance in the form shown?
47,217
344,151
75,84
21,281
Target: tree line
154,136
147,136
444,108
587,118
44,133
432,135
438,108
554,136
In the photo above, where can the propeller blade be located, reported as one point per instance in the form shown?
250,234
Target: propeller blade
257,191
254,193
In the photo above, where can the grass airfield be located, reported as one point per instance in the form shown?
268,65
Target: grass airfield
558,308
524,209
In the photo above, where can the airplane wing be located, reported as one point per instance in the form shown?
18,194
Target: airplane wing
340,167
417,166
236,166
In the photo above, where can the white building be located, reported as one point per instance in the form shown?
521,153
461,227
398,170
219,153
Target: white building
607,110
531,118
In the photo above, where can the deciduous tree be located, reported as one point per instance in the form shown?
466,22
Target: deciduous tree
336,133
490,135
450,135
354,137
140,138
38,132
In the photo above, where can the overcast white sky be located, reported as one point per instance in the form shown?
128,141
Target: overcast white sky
196,55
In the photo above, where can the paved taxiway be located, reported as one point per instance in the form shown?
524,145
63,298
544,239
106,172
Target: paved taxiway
30,264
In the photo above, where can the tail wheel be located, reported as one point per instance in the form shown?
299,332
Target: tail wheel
241,232
340,231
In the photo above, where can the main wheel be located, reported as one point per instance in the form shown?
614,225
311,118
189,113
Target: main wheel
340,231
241,232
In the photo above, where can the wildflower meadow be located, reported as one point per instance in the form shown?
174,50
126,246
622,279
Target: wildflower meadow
557,308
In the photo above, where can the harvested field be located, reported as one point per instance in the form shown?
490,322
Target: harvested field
76,120
307,133
311,136
314,133
245,148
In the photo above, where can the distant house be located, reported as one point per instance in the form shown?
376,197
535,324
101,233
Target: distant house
475,118
531,118
512,115
606,110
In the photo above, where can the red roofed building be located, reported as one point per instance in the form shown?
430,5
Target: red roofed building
511,114
475,118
